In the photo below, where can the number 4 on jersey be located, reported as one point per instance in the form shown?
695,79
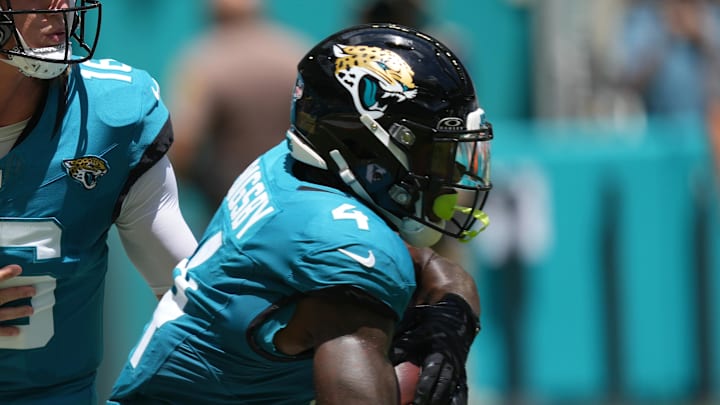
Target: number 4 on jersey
348,211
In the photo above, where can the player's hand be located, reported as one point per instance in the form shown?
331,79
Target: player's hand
10,294
437,337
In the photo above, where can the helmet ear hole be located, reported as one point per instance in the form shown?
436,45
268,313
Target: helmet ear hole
404,194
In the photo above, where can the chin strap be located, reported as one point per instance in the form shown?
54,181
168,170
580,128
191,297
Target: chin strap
35,68
382,135
39,69
347,176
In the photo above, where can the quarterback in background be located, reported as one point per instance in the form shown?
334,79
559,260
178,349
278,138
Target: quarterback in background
82,147
314,278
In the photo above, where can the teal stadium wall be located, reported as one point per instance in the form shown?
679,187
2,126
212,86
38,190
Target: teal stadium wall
607,289
621,203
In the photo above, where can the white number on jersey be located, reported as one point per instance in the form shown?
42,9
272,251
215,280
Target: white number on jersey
106,69
172,304
43,236
348,211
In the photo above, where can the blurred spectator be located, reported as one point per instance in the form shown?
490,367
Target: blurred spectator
670,54
229,90
411,13
416,14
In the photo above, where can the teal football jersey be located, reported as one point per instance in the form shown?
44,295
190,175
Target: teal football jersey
61,188
273,239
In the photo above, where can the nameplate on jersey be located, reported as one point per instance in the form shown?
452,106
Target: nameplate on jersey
248,200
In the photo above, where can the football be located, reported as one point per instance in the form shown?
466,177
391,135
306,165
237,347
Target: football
408,375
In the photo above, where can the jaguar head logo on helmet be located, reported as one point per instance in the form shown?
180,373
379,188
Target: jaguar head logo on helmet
392,113
374,77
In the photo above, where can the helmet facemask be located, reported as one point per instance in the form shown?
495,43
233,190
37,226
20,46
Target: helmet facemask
447,178
48,62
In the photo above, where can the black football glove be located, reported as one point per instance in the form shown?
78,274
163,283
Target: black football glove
437,337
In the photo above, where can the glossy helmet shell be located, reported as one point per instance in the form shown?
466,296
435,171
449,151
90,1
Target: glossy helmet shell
398,79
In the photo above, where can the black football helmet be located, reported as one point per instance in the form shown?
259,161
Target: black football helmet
51,61
393,114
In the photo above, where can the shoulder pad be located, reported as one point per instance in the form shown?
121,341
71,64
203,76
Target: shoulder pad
120,94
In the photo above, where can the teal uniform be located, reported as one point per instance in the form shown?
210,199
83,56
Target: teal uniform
61,188
273,240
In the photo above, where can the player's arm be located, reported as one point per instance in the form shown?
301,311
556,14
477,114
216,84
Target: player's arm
438,329
152,228
437,276
350,340
11,294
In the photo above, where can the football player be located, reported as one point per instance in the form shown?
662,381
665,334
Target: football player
82,147
302,288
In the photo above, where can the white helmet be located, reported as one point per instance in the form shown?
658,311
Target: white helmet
50,62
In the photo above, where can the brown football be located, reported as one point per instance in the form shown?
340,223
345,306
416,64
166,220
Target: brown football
408,375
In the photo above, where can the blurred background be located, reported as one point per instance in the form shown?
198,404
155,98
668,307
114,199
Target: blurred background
600,271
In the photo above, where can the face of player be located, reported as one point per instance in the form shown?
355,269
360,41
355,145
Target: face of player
40,30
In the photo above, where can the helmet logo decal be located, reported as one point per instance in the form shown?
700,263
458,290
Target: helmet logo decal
374,77
451,124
